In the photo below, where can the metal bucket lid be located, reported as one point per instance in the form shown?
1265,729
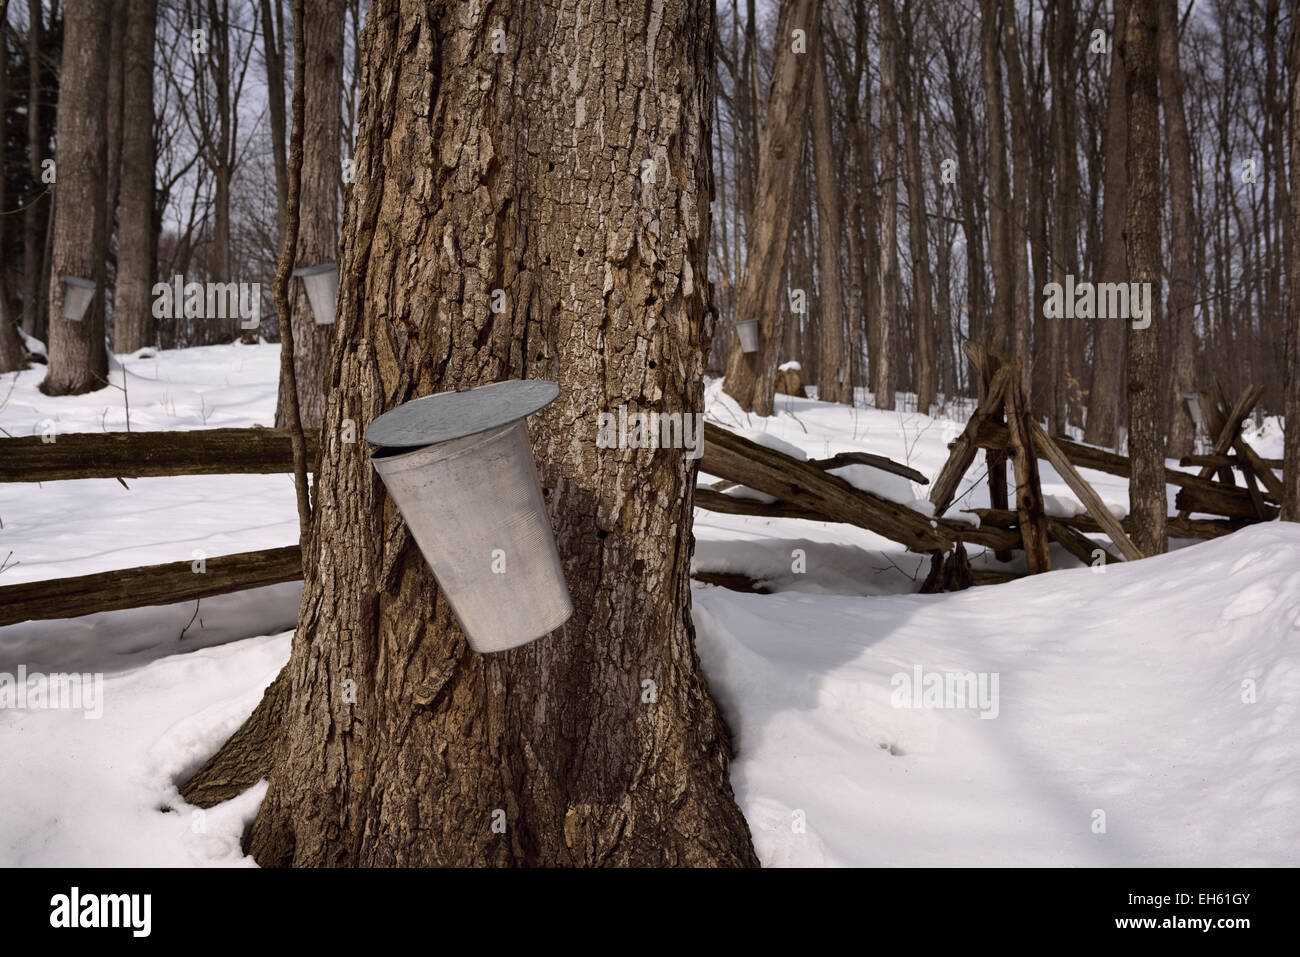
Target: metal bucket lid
453,415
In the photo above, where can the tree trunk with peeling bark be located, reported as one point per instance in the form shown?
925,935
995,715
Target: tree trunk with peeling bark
599,744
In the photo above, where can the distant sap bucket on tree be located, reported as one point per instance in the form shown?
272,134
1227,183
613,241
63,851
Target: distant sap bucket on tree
322,283
460,469
1193,400
747,330
77,293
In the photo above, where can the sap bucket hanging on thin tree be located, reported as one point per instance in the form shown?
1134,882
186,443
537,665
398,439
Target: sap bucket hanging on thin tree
747,331
460,469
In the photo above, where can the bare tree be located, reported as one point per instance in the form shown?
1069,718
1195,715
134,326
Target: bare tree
1105,393
882,371
1182,274
833,380
133,320
78,360
318,235
1291,464
750,379
1146,393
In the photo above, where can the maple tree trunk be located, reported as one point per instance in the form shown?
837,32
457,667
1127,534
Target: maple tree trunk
1147,498
133,321
1291,465
1105,390
882,371
751,378
923,338
833,380
598,744
1182,271
322,172
78,360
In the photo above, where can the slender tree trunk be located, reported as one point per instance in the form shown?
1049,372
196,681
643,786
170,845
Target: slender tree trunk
1000,252
750,379
833,380
924,378
11,346
1017,222
133,321
1064,37
599,744
1291,464
116,50
1105,393
882,368
273,56
36,153
318,235
1182,275
1148,507
78,361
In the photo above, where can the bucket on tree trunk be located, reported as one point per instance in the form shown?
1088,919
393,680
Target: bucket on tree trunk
77,293
460,469
322,284
747,330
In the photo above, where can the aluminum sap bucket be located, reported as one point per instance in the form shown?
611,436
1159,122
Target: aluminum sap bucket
460,468
747,331
77,293
322,285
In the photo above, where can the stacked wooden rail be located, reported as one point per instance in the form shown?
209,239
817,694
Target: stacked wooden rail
123,455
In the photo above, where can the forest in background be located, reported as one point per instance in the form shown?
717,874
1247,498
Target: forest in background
952,159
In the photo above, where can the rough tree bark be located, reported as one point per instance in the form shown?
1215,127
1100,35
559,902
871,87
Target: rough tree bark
912,91
1182,269
78,361
882,370
11,346
1291,464
32,248
1105,389
834,383
1148,505
751,379
273,53
318,236
999,332
133,321
1018,219
520,170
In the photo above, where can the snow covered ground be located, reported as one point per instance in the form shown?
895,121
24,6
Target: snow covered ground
1143,714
